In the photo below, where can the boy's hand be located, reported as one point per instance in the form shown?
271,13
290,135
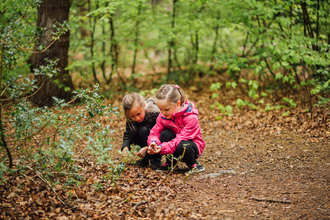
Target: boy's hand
154,149
142,152
125,151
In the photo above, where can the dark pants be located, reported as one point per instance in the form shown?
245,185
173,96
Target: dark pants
191,153
139,136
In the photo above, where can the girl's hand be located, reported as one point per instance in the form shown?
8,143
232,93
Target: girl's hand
154,149
142,152
151,147
125,151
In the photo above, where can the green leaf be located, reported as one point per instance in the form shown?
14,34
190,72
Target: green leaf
243,80
58,166
240,103
218,118
215,86
264,94
143,93
252,93
268,107
214,95
286,114
278,76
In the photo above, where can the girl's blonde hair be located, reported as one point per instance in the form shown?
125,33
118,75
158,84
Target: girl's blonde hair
129,101
172,93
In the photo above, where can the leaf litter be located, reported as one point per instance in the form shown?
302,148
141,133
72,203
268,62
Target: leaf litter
258,165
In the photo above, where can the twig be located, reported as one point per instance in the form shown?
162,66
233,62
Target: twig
80,154
139,203
72,174
29,179
271,200
48,184
128,197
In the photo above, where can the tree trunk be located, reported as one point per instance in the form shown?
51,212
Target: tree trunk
50,12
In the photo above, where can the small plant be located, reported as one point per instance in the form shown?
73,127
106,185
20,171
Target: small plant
97,186
215,87
240,104
286,114
130,156
323,102
226,110
271,108
290,101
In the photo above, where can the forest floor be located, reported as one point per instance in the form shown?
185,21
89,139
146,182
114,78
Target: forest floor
259,165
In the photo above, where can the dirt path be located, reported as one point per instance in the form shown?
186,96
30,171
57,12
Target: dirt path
292,174
289,175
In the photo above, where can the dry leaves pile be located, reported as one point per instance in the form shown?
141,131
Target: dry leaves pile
273,166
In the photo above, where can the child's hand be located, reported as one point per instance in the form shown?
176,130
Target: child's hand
125,151
142,152
151,146
154,149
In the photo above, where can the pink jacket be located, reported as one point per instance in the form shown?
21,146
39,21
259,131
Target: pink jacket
184,124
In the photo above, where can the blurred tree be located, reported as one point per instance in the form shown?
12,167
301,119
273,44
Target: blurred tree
50,13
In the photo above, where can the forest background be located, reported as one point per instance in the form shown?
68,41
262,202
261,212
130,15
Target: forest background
63,65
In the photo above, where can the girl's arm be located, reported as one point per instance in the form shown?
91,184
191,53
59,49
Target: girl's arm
188,132
126,139
155,131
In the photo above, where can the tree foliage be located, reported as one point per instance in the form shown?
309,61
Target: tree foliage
43,139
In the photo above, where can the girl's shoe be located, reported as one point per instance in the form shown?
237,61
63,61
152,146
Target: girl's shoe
144,162
155,163
197,167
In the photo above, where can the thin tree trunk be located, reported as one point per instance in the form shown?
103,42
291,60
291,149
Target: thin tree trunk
317,24
103,53
176,58
136,37
171,44
113,49
215,46
92,26
196,48
150,61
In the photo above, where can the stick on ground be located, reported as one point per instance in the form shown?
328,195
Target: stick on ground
271,200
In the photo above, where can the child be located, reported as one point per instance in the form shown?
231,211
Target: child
177,127
140,117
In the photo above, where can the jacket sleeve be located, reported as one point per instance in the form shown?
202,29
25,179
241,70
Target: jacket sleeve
188,132
126,138
155,131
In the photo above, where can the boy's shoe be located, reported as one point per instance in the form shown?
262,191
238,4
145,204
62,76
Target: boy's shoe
197,167
155,163
166,167
144,162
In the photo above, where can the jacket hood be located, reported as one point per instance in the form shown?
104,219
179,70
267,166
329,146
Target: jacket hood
188,109
151,106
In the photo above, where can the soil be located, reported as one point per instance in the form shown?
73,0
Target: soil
259,165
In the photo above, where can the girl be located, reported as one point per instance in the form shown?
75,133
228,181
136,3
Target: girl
140,117
177,127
